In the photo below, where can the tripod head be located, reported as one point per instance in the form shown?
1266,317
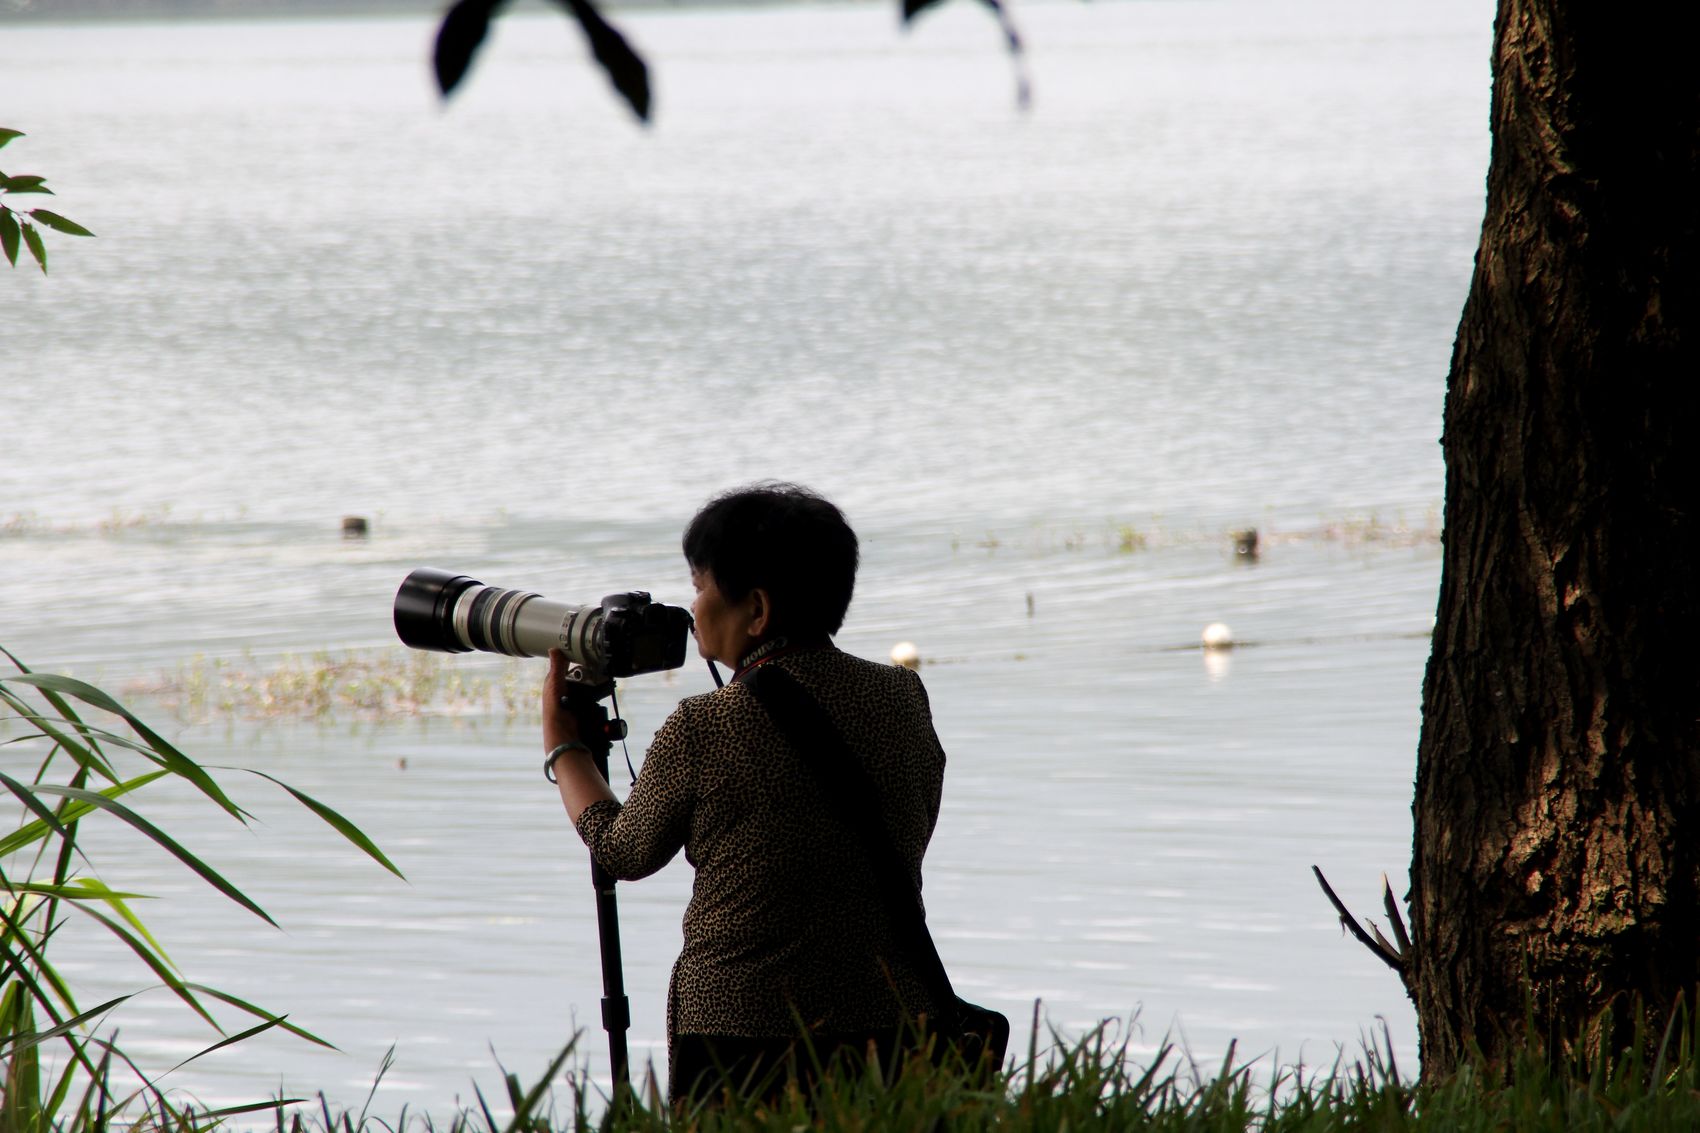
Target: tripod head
582,694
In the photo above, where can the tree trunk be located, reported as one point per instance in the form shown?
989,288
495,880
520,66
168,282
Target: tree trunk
1557,851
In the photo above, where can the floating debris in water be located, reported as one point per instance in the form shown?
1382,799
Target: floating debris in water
371,684
1122,537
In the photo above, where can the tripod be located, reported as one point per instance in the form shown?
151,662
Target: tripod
583,694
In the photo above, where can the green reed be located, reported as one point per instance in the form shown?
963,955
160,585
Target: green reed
72,756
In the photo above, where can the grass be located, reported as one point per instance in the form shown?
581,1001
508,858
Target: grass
1093,1083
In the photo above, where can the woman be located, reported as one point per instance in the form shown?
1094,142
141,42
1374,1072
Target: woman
787,932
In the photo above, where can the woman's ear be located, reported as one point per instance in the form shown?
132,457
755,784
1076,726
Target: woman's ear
761,612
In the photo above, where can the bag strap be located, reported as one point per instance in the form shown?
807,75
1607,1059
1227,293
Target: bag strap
849,791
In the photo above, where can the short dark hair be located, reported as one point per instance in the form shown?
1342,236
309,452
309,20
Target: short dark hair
782,538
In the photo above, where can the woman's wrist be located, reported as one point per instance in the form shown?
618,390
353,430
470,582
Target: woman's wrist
557,752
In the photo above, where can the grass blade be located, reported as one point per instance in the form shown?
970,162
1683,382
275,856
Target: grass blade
158,965
35,951
35,831
166,842
257,1028
86,756
35,805
10,1044
93,889
250,1107
524,1106
168,755
336,822
260,1013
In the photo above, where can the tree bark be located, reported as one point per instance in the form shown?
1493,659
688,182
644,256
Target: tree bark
1556,865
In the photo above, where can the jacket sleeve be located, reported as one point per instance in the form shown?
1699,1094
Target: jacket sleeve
636,839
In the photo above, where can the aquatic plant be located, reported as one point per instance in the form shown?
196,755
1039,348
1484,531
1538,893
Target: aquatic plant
72,755
1129,538
378,684
116,521
1123,537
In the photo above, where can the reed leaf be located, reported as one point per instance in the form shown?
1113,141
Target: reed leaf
259,1013
159,1106
159,748
336,822
86,756
164,841
14,1042
89,888
88,731
70,813
229,1040
34,805
30,986
18,935
156,963
62,1090
217,1116
22,991
484,1106
16,1019
79,889
377,1080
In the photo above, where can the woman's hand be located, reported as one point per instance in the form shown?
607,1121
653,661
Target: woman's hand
576,775
559,725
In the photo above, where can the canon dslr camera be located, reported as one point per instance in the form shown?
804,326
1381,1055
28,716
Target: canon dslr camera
626,634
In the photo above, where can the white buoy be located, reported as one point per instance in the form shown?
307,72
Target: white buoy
905,655
1218,636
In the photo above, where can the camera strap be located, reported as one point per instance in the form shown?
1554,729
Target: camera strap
762,654
850,793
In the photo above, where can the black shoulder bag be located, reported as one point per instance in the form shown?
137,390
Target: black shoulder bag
978,1034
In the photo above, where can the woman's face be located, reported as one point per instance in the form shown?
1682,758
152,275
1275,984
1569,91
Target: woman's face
725,630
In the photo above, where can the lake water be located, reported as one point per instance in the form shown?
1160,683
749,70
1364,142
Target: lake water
1046,361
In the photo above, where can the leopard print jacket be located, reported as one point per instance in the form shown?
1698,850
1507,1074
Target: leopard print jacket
785,923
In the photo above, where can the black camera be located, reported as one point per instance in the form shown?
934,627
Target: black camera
626,634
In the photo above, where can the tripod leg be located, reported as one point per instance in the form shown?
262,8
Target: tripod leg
583,698
616,1007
